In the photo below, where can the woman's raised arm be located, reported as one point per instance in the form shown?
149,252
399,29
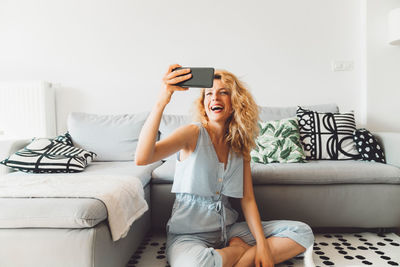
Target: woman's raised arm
147,151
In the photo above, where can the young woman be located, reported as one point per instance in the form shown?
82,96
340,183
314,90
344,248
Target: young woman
214,164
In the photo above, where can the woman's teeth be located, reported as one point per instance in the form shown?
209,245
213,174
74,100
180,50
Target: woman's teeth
215,108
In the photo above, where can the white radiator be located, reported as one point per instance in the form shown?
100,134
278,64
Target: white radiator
27,110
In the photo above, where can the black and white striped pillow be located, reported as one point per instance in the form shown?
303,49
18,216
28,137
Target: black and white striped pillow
50,156
327,135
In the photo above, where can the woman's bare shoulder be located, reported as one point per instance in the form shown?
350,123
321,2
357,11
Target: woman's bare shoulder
189,133
189,130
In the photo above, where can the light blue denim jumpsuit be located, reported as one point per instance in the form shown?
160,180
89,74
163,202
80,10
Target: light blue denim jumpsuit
202,218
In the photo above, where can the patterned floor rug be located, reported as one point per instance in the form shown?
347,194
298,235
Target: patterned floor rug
344,250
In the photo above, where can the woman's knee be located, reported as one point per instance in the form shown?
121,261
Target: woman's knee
299,231
306,233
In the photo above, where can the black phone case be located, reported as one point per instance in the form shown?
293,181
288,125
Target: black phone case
201,78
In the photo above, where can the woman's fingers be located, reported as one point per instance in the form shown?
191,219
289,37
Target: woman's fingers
176,76
179,72
179,79
172,77
172,67
169,80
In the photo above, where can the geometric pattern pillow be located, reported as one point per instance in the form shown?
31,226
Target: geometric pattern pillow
327,135
278,142
50,156
368,146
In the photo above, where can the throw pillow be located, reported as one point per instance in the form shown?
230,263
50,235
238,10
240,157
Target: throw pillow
368,146
65,139
327,135
278,142
50,156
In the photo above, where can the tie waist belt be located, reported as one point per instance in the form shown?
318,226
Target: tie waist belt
220,208
212,204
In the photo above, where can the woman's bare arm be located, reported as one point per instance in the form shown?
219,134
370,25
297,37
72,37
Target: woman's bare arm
147,150
249,205
252,215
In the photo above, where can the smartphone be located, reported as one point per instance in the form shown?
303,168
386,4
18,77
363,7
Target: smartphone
201,78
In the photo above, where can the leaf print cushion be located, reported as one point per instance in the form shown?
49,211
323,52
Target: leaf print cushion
278,142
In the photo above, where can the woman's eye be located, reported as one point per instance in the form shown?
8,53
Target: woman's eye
224,93
208,94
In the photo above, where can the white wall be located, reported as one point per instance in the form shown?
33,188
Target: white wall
383,69
109,56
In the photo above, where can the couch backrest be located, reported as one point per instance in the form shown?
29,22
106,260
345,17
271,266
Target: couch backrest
278,113
114,137
170,122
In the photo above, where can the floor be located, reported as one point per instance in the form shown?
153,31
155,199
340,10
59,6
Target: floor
335,249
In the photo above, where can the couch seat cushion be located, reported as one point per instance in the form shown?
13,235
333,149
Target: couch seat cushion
51,212
122,168
65,212
312,172
326,172
164,174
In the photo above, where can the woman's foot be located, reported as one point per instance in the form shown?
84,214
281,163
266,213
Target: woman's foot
233,253
237,241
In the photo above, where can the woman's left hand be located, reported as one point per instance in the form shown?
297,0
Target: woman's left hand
263,257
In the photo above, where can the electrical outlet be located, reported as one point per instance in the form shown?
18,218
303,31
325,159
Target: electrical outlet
342,65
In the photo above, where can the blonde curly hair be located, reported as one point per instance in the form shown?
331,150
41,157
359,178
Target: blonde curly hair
242,127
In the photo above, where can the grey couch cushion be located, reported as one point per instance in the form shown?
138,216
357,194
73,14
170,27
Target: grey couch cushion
115,168
68,212
326,172
169,123
111,137
312,172
278,113
51,212
126,168
164,174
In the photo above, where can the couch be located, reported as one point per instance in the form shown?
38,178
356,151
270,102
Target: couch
75,232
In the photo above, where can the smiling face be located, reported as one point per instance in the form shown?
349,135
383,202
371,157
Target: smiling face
217,102
229,104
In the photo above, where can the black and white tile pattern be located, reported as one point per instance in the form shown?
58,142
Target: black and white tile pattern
150,253
347,250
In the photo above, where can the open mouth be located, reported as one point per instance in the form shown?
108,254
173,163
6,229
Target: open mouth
217,108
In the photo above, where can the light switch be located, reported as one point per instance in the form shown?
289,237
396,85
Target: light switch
342,65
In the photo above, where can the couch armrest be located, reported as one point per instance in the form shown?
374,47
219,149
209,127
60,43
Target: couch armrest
8,147
391,146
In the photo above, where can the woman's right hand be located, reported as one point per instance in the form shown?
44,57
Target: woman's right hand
170,79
